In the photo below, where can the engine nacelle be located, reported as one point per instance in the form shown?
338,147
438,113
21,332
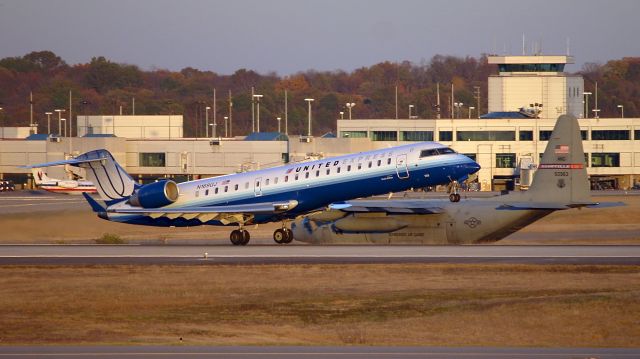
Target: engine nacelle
155,195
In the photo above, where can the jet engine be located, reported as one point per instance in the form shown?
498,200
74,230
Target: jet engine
155,195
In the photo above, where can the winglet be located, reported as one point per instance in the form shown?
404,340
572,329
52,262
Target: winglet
95,206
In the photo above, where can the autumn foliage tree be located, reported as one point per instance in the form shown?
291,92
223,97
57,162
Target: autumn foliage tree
104,87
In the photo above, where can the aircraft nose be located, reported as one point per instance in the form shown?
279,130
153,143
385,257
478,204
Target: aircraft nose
472,166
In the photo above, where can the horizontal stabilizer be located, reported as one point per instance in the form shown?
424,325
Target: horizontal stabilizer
388,206
74,161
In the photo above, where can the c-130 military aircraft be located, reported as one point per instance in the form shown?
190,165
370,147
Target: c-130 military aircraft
560,183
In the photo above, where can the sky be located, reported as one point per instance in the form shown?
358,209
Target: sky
289,36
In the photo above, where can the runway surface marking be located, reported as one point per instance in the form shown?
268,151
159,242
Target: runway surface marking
145,254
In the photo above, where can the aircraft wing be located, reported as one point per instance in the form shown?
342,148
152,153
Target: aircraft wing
239,213
388,206
555,206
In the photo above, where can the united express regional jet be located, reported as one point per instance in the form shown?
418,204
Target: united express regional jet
268,195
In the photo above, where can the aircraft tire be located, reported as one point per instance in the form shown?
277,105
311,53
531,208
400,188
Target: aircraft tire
236,237
280,236
289,235
245,237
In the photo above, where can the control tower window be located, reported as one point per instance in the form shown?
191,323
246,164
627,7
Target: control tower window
531,67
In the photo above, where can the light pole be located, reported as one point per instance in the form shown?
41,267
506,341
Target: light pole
621,111
48,121
350,106
278,118
226,134
458,105
471,108
410,108
586,103
257,97
213,130
342,115
309,100
206,121
64,120
59,111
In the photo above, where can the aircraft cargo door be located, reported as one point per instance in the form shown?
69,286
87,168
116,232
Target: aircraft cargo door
257,188
401,166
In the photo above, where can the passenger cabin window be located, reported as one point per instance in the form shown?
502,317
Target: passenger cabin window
338,169
236,187
389,160
379,163
306,175
226,188
359,166
369,164
317,173
266,183
296,177
216,191
328,171
348,168
286,178
206,192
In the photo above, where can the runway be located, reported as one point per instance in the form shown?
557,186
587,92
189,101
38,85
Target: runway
259,254
312,352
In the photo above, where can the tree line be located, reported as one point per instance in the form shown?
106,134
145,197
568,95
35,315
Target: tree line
104,87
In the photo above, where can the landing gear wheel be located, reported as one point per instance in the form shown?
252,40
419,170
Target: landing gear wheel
245,237
236,237
289,235
454,197
280,236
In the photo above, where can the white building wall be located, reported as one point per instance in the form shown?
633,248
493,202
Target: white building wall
156,126
555,92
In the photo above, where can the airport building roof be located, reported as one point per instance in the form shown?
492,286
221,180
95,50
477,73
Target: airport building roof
266,136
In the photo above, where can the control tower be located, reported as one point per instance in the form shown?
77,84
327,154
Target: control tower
536,83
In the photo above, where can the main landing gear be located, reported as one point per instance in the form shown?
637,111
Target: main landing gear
283,235
240,237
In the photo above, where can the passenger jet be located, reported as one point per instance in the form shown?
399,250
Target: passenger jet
61,186
277,194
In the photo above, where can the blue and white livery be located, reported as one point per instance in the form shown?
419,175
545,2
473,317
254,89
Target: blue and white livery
269,195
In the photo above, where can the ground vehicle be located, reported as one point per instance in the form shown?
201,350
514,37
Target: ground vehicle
7,186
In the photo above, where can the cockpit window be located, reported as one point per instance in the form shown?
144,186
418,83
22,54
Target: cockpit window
436,151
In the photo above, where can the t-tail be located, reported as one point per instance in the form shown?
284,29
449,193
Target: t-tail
39,175
112,182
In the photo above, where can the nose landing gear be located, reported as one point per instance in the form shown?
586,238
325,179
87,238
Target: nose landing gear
454,187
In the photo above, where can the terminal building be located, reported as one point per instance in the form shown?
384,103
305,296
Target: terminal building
525,98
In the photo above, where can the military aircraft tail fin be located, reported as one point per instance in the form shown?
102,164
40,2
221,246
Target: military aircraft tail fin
562,174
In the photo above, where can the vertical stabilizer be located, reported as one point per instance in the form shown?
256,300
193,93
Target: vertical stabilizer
562,174
111,180
39,175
